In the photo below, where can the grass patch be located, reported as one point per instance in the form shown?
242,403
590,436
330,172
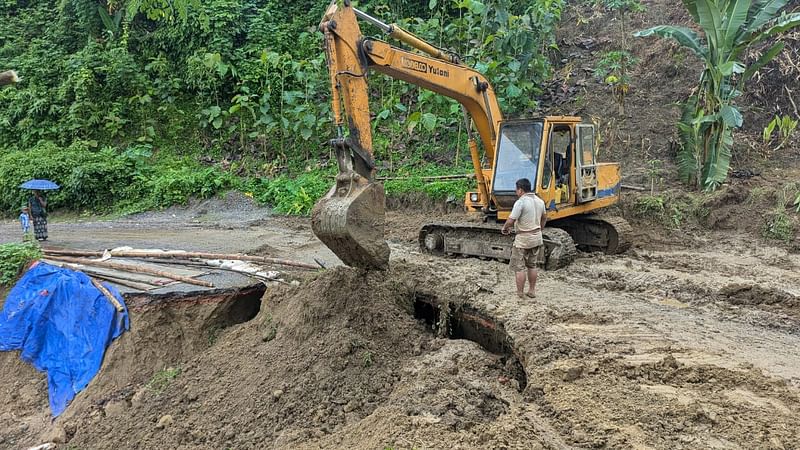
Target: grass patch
162,379
672,211
268,329
366,359
778,226
292,195
413,179
660,209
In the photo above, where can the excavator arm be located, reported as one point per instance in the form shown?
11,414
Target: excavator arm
350,220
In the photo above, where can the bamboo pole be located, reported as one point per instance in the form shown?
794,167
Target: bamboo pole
132,268
431,178
184,255
108,295
134,283
122,282
208,266
633,188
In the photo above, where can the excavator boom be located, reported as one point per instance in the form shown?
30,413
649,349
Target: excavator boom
350,220
556,153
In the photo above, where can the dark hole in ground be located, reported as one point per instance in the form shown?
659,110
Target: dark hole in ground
245,306
470,324
240,307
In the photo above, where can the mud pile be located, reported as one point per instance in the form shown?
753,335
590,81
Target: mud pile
166,330
315,362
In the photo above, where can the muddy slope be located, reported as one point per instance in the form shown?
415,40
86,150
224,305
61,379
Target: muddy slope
316,361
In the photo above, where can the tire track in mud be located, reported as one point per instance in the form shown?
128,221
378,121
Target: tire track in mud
702,281
622,355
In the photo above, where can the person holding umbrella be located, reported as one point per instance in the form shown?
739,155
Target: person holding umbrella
37,206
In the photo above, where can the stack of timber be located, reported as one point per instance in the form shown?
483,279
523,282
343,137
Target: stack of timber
145,270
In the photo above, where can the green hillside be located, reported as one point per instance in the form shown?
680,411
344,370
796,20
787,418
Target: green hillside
130,106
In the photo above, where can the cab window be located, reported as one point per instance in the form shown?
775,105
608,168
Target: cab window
518,155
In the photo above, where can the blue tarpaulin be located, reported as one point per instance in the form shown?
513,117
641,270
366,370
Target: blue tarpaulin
62,324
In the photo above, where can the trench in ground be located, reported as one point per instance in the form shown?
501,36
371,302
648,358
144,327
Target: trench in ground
464,322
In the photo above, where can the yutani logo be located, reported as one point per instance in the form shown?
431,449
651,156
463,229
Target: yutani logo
420,66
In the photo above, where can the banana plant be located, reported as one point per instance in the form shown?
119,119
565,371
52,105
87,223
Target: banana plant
729,28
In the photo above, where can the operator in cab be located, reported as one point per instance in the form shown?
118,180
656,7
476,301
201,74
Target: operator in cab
528,216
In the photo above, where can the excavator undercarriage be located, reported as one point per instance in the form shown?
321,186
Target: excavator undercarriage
561,237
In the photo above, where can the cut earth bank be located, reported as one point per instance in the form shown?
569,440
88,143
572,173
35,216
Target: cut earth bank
672,345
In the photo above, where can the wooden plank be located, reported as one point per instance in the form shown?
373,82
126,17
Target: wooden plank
132,268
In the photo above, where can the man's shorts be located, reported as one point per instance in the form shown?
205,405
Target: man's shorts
526,258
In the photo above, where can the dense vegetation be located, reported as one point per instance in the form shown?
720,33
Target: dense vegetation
131,105
730,28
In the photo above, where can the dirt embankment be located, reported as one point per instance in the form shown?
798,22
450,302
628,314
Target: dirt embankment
634,351
342,350
160,338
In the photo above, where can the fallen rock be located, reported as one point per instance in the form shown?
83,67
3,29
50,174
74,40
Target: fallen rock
351,406
115,408
573,373
138,398
165,421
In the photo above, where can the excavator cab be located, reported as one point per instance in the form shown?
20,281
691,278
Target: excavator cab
518,151
555,153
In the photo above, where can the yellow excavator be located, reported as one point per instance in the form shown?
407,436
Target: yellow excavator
556,153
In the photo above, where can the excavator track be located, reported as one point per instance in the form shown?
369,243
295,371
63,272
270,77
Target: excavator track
595,233
486,242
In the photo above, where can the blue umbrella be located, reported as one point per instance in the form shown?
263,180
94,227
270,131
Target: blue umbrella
39,185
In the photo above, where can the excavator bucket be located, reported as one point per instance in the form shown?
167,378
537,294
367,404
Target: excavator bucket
350,220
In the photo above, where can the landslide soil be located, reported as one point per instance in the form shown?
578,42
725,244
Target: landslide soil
688,341
667,346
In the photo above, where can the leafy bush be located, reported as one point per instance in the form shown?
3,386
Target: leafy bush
669,212
105,179
14,257
613,69
649,206
175,185
295,196
786,127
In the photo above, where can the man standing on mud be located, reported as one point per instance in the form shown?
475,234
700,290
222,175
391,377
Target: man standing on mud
529,216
